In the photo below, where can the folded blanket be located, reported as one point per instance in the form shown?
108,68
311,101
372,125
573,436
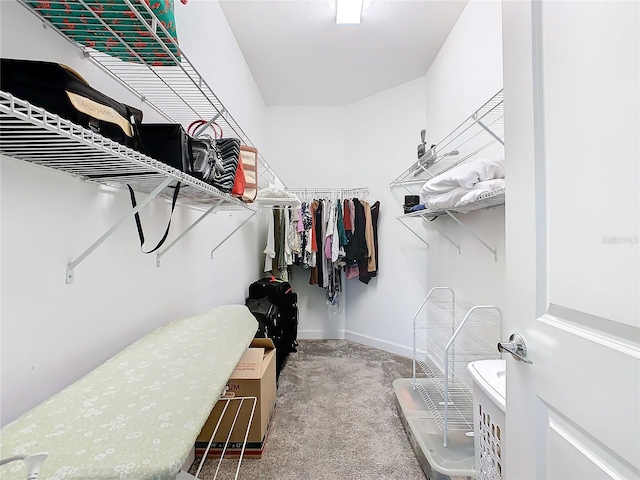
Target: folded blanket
460,196
464,176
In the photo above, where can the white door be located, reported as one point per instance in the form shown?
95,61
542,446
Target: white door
572,139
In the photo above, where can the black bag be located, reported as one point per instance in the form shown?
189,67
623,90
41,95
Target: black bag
172,145
63,92
230,153
206,162
282,324
166,142
267,315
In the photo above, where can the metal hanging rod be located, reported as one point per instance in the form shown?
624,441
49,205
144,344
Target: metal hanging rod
334,192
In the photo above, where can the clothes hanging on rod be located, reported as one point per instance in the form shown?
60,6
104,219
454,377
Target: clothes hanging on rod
330,232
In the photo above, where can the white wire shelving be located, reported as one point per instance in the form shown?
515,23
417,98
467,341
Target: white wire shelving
161,75
34,135
166,81
482,131
449,334
484,128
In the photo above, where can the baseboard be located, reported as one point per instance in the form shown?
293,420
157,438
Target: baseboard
320,335
385,345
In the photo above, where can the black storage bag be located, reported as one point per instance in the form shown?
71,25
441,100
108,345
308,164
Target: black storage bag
267,315
63,92
172,145
166,142
285,331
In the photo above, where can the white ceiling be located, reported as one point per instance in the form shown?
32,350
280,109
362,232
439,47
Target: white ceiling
299,56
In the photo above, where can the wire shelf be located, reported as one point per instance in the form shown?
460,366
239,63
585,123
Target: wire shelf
484,128
489,199
158,72
32,134
454,334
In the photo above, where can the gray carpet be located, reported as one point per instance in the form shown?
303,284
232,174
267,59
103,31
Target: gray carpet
335,419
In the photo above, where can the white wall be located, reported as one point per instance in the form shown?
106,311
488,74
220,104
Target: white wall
371,142
308,144
466,73
53,333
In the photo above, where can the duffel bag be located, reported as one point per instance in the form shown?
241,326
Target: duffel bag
63,92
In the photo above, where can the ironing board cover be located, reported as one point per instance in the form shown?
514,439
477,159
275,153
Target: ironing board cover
138,415
77,22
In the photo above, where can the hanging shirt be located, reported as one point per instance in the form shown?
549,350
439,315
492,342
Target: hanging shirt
269,250
371,254
375,211
347,216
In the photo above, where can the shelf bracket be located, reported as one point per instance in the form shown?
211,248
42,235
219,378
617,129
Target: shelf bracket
412,231
232,232
97,243
475,117
492,250
202,128
457,245
202,217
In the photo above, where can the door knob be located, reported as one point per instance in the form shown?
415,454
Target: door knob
516,347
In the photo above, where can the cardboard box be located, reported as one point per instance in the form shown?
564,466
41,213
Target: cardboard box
254,376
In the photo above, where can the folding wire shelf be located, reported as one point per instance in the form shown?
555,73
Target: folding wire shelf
34,135
453,334
484,128
158,72
492,198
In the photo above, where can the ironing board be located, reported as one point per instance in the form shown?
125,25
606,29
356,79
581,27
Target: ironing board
138,414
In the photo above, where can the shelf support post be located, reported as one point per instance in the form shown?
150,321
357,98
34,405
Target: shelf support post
492,250
202,217
108,233
232,232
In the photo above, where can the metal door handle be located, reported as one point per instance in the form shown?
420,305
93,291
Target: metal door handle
516,347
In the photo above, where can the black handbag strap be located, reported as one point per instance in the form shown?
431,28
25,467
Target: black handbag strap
139,223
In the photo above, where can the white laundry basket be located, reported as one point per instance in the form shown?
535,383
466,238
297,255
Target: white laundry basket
489,406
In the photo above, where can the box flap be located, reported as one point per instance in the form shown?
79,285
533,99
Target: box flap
262,343
250,365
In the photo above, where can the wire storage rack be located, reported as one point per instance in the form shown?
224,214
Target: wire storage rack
448,335
157,70
32,134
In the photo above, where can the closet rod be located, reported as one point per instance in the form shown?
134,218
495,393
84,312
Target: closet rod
342,192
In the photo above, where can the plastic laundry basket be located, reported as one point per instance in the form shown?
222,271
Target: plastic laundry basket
489,406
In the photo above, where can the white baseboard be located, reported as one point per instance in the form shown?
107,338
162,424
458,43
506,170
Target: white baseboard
320,335
385,345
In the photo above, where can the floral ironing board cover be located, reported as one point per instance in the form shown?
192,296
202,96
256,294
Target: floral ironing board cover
138,415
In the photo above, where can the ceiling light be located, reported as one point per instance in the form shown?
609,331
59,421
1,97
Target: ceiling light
348,12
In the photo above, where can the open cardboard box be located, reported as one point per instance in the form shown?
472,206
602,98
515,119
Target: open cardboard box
254,376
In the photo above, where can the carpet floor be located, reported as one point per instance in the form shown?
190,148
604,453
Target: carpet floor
335,418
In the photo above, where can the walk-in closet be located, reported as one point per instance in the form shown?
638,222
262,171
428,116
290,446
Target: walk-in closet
285,239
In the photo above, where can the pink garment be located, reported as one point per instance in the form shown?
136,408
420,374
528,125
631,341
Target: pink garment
352,213
327,247
352,272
